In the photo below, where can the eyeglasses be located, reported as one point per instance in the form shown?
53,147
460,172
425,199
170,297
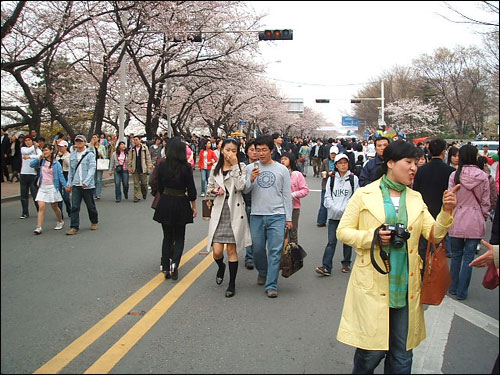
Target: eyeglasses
262,150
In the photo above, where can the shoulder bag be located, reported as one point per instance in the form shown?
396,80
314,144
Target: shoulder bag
437,278
206,208
102,164
292,255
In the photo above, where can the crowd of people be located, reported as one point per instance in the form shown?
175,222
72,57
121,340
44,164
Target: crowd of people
368,188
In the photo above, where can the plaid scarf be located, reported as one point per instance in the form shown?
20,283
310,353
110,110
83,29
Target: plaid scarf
398,277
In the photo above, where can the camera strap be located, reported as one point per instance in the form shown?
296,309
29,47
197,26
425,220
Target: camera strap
385,256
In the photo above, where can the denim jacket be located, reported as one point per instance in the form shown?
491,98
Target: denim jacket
59,180
88,166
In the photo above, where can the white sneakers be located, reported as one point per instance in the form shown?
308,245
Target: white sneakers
59,226
38,230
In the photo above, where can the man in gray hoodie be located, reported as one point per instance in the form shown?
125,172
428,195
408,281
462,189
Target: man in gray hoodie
270,187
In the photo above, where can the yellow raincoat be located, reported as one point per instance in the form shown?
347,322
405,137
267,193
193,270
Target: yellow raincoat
365,316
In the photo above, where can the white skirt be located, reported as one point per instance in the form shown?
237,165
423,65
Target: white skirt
48,194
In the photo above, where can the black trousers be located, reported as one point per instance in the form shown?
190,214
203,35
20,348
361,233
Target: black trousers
28,184
173,244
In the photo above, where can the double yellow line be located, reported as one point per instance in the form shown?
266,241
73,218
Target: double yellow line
109,359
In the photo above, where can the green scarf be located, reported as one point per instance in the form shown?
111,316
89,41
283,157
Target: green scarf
398,276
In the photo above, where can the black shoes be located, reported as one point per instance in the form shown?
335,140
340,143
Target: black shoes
249,265
230,292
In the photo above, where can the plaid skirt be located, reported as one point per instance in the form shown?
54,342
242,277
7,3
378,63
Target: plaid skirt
224,232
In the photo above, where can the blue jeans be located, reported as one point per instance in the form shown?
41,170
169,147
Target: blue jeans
462,253
79,193
121,177
98,183
330,247
322,213
248,249
397,359
204,179
270,229
447,241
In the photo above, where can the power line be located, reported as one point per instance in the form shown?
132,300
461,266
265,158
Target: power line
316,84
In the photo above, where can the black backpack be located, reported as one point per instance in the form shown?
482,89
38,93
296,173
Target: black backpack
351,181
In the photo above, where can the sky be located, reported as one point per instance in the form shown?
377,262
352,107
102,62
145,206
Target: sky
338,45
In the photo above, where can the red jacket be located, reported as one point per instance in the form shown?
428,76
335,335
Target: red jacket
211,158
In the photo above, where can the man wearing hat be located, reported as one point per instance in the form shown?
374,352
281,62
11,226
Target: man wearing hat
326,170
82,167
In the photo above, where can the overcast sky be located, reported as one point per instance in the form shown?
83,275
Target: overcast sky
337,45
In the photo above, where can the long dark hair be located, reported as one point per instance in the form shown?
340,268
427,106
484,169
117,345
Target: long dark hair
220,162
293,160
466,156
52,154
452,152
175,157
118,149
396,151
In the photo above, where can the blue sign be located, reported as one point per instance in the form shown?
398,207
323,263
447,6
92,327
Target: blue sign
351,121
242,122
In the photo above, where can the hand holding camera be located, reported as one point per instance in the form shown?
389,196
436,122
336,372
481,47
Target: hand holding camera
397,235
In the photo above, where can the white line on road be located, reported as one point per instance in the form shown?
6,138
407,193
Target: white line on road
428,356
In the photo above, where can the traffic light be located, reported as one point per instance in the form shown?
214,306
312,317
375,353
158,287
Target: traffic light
322,100
285,34
355,101
190,38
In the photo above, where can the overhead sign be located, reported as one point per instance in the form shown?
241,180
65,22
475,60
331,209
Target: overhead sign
242,122
351,121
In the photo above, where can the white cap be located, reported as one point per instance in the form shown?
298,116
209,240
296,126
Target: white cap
339,157
334,149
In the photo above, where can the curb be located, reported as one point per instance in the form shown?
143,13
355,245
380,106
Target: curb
10,198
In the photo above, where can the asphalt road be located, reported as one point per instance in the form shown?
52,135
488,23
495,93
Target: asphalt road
55,288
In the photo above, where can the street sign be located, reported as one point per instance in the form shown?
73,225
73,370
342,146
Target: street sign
351,121
242,122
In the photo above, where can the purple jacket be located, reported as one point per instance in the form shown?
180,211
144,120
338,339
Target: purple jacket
473,203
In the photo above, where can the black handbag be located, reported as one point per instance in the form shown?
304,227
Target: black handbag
292,255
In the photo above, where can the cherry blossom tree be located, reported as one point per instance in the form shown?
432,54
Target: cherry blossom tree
412,115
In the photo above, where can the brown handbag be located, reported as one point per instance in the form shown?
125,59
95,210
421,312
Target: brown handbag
437,278
206,208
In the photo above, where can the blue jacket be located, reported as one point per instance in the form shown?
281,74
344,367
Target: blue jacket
59,180
88,167
369,172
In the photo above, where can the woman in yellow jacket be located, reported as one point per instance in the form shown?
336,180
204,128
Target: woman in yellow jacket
382,314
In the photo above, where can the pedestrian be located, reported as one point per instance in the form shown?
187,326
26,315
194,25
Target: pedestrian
252,157
63,156
15,158
176,206
139,166
28,180
228,222
81,184
5,155
270,186
316,158
206,161
339,189
118,166
299,187
155,150
99,150
482,163
371,168
453,157
421,157
470,216
278,147
51,180
189,155
303,161
326,171
382,315
358,166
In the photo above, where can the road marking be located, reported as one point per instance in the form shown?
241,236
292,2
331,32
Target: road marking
428,356
109,359
61,360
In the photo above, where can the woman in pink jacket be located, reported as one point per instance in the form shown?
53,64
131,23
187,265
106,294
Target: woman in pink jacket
470,215
299,187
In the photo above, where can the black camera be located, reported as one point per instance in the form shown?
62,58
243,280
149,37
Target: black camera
399,234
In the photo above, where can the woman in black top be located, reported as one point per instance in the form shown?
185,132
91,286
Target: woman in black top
174,211
15,158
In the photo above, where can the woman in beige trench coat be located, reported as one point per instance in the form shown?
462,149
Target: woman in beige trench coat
382,314
228,223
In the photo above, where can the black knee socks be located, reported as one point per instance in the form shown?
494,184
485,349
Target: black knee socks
222,267
233,270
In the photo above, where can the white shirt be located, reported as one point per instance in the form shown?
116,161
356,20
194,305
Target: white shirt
79,169
33,154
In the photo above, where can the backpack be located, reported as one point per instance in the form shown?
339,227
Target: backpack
351,181
357,169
